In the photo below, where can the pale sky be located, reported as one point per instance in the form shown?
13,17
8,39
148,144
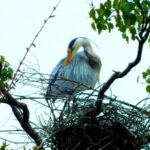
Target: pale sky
21,20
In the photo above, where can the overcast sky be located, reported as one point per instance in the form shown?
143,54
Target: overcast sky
21,20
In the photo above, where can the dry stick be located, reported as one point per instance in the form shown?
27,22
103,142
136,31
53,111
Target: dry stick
141,110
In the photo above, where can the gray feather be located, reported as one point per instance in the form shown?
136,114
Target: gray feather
72,78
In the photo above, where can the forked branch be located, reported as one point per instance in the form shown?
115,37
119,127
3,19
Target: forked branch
22,113
143,36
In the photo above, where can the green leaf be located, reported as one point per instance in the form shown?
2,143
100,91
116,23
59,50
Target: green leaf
110,27
133,32
148,88
92,13
101,27
107,8
124,36
107,12
122,27
136,1
107,4
101,13
93,26
116,4
3,147
144,74
132,19
148,80
127,16
129,6
148,72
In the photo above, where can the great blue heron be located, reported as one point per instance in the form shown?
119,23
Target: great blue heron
76,72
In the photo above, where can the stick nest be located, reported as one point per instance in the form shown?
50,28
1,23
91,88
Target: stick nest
121,126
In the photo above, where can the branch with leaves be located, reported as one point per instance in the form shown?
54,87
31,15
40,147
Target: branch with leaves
131,18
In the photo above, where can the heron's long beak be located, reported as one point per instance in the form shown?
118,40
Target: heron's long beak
69,58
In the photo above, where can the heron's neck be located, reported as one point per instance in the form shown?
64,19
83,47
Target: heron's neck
94,59
84,42
89,51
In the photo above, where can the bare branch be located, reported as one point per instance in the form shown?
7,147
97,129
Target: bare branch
32,44
117,75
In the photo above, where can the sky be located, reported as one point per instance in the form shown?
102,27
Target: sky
21,20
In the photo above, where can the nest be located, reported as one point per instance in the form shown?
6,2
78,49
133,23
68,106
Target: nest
119,127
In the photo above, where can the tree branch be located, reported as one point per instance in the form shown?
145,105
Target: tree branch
117,74
21,112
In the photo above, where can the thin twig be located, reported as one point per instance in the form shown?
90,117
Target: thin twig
4,139
32,43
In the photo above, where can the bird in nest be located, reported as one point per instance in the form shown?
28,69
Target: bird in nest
77,72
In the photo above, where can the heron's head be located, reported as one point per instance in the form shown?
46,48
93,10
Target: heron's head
73,47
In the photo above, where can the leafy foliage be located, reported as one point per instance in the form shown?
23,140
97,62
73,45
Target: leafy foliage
129,16
6,72
4,146
146,77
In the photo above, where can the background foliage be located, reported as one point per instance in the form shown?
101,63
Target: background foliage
130,17
6,72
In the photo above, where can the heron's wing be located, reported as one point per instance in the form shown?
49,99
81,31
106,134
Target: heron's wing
77,76
59,84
